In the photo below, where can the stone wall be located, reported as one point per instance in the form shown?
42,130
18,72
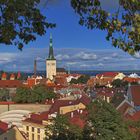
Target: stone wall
30,107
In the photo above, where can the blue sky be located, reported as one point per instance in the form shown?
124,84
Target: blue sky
75,47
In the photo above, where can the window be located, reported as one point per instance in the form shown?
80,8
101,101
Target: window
5,138
32,129
27,128
33,137
38,130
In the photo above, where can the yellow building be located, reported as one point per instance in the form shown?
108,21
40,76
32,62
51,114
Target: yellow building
51,63
34,126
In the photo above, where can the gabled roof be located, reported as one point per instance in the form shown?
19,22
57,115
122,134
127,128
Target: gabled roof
107,74
61,103
135,92
4,75
135,116
37,118
12,76
123,109
3,127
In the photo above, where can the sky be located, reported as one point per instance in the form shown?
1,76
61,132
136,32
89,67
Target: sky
75,47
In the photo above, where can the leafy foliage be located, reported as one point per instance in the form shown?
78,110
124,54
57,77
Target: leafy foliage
38,94
21,21
119,83
123,26
105,123
81,80
4,95
61,129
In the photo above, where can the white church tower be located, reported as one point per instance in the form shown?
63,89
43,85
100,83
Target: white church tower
50,62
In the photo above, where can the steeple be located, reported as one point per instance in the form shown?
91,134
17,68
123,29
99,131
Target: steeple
51,55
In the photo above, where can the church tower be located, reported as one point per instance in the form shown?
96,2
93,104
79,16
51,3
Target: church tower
50,62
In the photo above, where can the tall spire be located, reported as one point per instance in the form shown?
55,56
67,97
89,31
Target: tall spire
51,55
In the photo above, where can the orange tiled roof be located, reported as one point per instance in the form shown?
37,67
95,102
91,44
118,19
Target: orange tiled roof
4,75
107,74
10,83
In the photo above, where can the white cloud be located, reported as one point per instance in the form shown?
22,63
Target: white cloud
62,57
7,57
86,56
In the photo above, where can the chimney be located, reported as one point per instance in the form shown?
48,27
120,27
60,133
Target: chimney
35,67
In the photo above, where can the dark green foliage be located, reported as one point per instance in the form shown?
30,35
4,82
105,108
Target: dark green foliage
21,21
38,94
119,83
123,26
41,93
81,80
4,95
23,95
105,123
117,99
61,129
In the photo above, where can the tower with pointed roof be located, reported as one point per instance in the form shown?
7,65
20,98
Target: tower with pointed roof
50,62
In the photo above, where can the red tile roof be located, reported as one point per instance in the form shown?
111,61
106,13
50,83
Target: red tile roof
4,75
10,83
130,79
135,91
107,74
123,109
78,121
18,75
3,127
60,103
134,117
37,118
12,76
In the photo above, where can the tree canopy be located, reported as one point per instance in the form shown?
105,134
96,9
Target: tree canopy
38,94
123,26
61,129
21,21
81,80
105,123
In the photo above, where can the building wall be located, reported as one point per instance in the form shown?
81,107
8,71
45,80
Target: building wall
120,76
50,68
34,131
29,107
12,134
67,109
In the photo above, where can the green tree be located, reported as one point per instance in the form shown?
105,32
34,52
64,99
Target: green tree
61,129
81,80
23,95
4,95
40,93
21,21
122,27
117,83
105,123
